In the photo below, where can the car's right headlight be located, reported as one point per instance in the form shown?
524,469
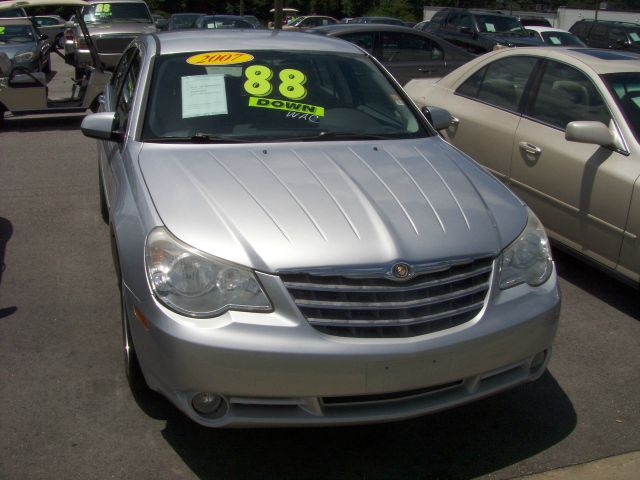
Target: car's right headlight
24,57
528,258
196,284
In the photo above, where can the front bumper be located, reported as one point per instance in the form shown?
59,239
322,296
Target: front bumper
275,369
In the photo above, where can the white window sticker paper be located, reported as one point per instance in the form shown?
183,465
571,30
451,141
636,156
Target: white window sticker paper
555,40
203,95
635,37
490,27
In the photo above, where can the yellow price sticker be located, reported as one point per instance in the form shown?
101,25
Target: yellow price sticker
219,58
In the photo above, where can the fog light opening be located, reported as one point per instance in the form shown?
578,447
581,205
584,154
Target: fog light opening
209,404
538,362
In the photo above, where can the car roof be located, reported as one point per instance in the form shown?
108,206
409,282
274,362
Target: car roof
237,40
601,61
611,22
363,27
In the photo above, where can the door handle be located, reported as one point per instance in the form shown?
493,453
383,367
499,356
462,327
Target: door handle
529,148
455,121
425,70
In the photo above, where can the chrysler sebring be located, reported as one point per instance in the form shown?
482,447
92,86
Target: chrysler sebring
296,245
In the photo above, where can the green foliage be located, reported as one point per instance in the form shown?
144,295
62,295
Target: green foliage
393,8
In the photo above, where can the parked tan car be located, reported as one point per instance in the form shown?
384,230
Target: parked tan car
562,128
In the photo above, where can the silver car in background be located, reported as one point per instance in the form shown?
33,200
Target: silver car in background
26,48
112,26
296,245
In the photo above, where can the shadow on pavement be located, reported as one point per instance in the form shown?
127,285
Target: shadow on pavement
6,231
597,283
42,123
461,443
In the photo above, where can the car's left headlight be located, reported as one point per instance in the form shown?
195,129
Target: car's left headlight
196,284
528,258
24,57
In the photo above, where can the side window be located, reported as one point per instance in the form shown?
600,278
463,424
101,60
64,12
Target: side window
125,96
617,36
501,83
566,95
363,40
439,18
452,20
121,69
405,47
599,32
465,21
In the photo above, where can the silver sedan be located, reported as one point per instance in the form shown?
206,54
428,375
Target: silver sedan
297,246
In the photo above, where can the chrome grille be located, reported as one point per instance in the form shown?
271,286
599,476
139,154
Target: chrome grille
376,306
112,44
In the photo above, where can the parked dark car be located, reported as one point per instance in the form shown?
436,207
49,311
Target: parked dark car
407,53
608,34
480,31
181,21
222,21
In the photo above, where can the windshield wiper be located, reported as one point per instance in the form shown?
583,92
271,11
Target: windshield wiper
197,138
334,136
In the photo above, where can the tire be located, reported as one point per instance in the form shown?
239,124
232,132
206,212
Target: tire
46,68
59,43
79,72
135,377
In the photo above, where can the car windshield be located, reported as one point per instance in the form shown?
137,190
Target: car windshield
634,35
184,20
224,22
258,96
626,90
565,39
499,24
116,12
16,34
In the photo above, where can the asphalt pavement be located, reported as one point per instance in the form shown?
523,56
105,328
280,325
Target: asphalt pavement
66,411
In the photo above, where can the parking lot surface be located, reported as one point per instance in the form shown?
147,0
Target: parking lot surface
66,410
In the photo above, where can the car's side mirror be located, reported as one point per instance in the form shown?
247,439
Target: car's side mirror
102,126
439,118
590,132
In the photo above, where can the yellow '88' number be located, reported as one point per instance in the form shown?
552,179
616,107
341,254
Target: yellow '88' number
257,83
291,84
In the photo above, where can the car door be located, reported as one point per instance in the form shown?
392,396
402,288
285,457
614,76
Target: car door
486,109
408,55
576,189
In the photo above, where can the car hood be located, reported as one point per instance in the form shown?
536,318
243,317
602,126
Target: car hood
12,49
302,205
115,28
